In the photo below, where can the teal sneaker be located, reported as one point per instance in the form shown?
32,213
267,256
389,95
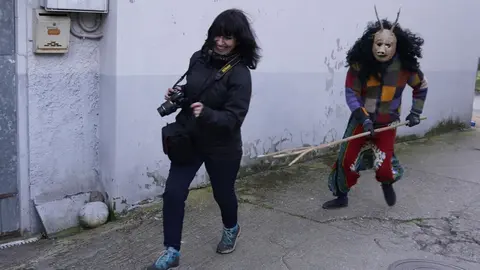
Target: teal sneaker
229,240
169,259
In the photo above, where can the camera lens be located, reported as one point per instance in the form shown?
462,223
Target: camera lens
167,108
170,106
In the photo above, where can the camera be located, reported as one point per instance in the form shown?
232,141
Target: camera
177,98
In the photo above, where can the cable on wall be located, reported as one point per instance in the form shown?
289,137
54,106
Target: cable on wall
80,28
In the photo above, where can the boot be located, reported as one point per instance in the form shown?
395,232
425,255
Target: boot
339,202
389,194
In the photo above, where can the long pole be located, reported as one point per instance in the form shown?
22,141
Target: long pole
302,151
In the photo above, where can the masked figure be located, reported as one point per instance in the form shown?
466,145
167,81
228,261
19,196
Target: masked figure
380,64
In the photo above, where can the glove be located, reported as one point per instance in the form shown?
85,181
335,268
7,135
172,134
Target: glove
413,119
368,127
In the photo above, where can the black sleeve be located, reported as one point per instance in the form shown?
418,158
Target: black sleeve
235,109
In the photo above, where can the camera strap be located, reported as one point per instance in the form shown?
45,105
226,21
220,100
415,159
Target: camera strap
185,74
218,76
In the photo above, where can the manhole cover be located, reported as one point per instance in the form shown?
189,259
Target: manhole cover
417,264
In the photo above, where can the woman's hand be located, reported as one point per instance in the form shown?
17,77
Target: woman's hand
197,108
170,92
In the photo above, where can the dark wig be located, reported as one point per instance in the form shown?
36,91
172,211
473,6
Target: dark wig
234,23
409,50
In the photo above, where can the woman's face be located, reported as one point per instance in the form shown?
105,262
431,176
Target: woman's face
224,44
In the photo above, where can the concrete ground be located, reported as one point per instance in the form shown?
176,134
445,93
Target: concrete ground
437,217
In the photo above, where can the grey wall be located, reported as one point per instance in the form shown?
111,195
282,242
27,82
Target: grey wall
63,92
57,119
298,88
9,209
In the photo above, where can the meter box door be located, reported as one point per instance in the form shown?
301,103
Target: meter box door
51,32
89,6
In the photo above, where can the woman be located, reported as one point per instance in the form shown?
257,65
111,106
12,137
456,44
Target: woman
216,119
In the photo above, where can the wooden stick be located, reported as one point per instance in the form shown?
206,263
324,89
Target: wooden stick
283,151
304,152
299,150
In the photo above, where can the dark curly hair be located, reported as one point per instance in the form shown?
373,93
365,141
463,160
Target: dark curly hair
409,50
234,22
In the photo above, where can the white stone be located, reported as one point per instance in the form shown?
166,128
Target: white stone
93,214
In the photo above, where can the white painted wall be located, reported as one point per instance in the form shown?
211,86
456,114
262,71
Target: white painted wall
63,117
59,116
298,87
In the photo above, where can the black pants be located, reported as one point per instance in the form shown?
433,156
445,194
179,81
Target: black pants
223,173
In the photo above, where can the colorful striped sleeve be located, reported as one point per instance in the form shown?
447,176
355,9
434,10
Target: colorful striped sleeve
353,89
419,84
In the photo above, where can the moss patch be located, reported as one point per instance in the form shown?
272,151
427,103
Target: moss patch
477,83
406,138
66,232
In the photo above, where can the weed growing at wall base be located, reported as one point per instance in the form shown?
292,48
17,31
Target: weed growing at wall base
477,84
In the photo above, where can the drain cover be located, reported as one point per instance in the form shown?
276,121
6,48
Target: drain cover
417,264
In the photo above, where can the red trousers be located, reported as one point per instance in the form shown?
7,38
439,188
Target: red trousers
383,148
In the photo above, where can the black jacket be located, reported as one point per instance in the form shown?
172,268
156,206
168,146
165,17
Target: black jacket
218,128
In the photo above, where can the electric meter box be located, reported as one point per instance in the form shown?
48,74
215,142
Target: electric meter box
51,32
88,6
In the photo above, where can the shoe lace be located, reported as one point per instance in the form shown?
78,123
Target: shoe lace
228,236
165,257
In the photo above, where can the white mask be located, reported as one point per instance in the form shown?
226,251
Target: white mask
384,41
384,45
